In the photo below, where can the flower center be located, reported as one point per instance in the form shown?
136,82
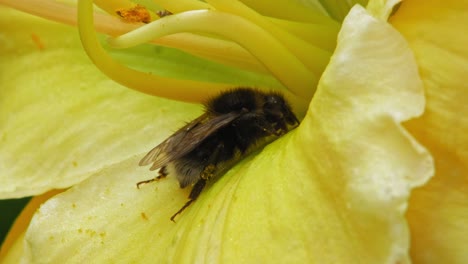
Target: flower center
294,46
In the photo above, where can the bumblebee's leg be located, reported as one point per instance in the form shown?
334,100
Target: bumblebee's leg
162,173
210,169
207,173
196,190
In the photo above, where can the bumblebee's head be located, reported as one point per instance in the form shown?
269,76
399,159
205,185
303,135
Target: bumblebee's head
278,112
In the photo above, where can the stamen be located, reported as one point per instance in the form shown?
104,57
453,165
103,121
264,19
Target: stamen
136,14
127,10
183,5
66,14
314,58
50,10
186,90
216,49
322,36
111,5
293,10
267,49
339,8
219,50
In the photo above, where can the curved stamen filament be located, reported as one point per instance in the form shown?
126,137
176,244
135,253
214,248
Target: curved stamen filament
293,10
186,90
278,60
111,5
219,50
183,5
322,36
314,58
47,9
66,14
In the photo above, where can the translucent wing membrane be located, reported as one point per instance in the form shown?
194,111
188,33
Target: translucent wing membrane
186,139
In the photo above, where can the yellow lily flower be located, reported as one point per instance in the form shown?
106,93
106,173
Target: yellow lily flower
333,190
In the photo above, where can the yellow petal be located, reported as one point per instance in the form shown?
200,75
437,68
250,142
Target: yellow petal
437,33
332,191
366,157
381,8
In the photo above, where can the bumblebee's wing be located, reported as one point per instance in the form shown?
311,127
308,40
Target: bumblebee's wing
186,139
160,154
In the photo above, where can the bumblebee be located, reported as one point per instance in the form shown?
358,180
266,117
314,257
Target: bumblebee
234,123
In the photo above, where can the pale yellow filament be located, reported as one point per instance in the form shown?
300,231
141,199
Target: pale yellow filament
186,90
183,5
219,50
315,59
111,5
66,14
47,9
293,10
278,60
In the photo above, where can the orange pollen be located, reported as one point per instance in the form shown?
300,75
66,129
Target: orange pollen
134,14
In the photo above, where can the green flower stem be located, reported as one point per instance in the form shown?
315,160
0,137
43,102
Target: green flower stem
184,90
279,61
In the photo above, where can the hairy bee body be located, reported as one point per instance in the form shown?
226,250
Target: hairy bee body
234,123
